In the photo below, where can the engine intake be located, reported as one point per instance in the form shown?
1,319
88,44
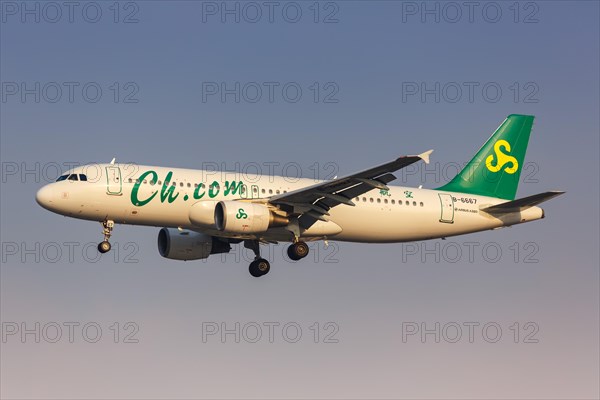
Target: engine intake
243,217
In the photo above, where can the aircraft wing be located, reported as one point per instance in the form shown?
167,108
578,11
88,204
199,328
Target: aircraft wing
313,202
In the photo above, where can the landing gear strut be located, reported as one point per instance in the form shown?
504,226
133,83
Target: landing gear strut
297,251
104,246
259,266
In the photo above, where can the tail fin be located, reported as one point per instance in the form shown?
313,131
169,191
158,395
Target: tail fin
496,168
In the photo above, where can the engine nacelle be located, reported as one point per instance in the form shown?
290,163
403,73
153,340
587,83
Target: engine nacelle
188,245
202,214
244,217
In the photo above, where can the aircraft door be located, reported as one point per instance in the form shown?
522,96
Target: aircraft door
113,180
447,203
255,192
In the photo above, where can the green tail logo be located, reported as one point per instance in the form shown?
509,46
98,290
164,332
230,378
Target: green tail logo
501,158
496,168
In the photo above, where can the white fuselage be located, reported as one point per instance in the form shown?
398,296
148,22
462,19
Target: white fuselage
115,192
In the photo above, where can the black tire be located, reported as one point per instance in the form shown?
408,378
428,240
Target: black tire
291,254
298,251
259,267
104,247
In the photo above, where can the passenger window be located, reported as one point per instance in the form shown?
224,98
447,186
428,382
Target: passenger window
414,203
371,199
399,202
364,199
270,191
189,184
263,191
62,178
393,201
82,178
152,183
73,177
181,184
421,204
277,192
130,180
379,200
385,201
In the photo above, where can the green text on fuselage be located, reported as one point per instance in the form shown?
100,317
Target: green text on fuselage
168,194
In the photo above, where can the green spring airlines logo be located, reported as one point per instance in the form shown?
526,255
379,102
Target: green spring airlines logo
241,214
502,159
168,193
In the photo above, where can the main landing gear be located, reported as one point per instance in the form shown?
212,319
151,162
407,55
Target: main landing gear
297,251
259,266
104,246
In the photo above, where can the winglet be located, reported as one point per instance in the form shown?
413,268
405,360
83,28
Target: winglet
425,156
113,161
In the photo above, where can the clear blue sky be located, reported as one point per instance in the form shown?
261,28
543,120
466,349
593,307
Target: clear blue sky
157,106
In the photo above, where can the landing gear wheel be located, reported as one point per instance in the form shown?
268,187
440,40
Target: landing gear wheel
297,251
104,247
107,227
259,267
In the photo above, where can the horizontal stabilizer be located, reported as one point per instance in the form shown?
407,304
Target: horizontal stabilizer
522,204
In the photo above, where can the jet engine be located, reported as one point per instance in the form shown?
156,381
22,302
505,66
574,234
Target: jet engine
202,214
244,217
188,245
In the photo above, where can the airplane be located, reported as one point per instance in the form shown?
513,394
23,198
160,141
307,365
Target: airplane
200,215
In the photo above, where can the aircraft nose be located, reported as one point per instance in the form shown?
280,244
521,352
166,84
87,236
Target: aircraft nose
45,197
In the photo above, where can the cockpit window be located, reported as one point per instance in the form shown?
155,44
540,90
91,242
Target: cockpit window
82,178
62,178
73,177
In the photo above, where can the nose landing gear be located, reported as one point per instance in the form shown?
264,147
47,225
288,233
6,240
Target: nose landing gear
104,246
